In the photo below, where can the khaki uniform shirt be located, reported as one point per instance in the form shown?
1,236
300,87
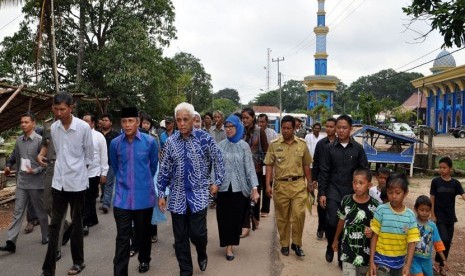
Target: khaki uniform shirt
288,159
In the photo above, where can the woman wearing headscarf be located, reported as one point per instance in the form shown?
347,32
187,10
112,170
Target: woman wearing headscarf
239,185
197,120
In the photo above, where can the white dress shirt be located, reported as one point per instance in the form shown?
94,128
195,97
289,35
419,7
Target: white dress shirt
270,134
74,150
99,166
311,141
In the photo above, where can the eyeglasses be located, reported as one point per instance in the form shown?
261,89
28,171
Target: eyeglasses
229,127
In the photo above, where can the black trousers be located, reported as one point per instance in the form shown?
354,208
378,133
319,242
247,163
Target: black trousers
256,208
446,232
264,197
124,219
331,222
229,210
89,213
321,218
60,201
189,227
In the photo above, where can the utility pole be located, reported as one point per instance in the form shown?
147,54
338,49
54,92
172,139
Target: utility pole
268,72
280,91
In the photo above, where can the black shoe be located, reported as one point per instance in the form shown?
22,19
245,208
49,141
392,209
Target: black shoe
203,263
229,257
285,251
104,209
9,247
298,250
58,256
85,230
144,267
319,235
329,255
66,235
154,238
45,240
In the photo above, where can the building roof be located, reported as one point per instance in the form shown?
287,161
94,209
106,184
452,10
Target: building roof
414,101
17,100
265,109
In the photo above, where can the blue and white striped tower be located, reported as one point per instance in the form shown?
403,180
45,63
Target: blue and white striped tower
320,87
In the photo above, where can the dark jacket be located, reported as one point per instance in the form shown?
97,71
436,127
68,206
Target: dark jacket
319,148
337,166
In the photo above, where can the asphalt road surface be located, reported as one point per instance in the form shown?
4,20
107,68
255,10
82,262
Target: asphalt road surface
254,256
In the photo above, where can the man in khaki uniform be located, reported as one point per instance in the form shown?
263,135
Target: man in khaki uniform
289,158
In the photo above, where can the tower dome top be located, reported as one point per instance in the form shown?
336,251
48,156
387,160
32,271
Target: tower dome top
444,60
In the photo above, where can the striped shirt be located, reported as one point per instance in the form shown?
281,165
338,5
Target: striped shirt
134,164
395,231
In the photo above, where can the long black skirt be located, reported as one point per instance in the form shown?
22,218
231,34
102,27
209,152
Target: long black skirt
229,214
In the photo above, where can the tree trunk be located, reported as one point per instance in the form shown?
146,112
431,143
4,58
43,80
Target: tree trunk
54,55
80,57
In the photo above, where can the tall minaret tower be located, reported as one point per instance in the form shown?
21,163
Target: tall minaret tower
320,87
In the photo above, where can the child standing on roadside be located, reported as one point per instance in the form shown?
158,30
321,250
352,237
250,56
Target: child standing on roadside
422,263
381,176
355,214
395,232
443,191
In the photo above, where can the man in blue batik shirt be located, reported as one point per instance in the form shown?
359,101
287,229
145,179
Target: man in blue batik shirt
187,156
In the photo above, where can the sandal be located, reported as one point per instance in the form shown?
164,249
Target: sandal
76,269
442,271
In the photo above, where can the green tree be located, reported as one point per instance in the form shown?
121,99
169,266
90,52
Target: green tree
446,16
226,105
198,90
123,45
294,97
228,93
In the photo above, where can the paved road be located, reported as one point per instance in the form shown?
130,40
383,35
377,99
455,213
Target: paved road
256,254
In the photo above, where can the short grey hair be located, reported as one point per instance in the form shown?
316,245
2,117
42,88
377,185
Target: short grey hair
185,107
218,112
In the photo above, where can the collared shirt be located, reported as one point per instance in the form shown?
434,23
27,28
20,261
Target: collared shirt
27,148
134,163
218,134
270,134
288,159
239,167
311,141
185,168
74,149
99,166
338,163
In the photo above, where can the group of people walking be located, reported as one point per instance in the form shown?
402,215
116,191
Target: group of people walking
234,164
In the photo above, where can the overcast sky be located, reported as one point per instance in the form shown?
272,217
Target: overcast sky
231,39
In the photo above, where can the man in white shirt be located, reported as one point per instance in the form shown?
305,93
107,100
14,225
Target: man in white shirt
72,138
263,124
312,138
97,173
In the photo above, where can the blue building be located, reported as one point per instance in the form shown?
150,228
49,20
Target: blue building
320,87
445,93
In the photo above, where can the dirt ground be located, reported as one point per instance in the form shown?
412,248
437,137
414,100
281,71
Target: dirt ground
315,264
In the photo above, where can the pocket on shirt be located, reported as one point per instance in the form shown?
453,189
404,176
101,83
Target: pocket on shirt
75,150
298,156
